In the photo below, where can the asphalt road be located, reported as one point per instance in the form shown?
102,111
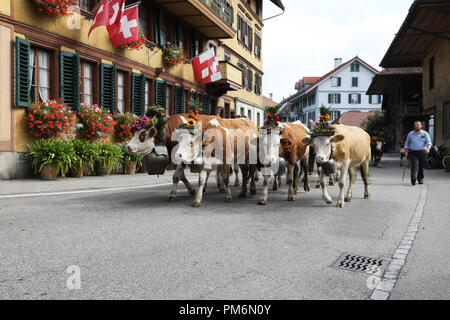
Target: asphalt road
134,244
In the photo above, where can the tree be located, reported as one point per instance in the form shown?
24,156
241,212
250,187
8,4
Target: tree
375,124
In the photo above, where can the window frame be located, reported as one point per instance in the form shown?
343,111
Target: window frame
93,80
52,72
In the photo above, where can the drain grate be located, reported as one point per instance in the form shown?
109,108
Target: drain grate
353,262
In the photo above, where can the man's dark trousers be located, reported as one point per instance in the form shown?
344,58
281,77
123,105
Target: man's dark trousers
418,159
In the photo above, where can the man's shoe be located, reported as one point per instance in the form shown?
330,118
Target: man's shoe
420,181
413,182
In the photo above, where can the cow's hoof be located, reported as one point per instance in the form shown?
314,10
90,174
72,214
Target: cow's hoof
367,196
253,192
318,186
242,194
275,188
196,204
340,205
228,200
328,201
237,184
262,202
172,198
291,198
332,184
348,199
193,192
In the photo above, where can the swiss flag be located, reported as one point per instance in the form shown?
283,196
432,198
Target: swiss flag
107,13
206,67
126,29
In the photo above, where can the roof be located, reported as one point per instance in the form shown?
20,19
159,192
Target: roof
425,26
353,118
387,79
279,4
268,102
329,74
305,80
285,109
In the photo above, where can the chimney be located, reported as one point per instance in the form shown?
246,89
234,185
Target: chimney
337,62
271,96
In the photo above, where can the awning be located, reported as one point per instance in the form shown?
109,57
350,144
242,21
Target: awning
279,4
427,23
388,79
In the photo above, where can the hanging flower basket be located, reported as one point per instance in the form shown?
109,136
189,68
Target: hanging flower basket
139,44
174,55
55,8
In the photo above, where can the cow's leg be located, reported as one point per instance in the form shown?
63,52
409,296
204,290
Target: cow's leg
219,177
305,164
325,195
236,174
344,171
245,175
221,172
290,181
332,180
226,180
277,182
177,176
253,174
365,174
266,184
352,180
201,185
296,178
206,183
319,175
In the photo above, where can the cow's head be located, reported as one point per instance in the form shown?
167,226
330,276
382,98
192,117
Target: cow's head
189,146
379,145
143,141
323,146
269,142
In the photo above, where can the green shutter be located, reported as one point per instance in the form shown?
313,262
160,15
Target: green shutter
339,81
370,99
23,81
329,98
206,105
70,79
239,27
162,35
350,98
138,94
246,33
179,100
161,94
156,26
108,86
339,98
232,15
359,98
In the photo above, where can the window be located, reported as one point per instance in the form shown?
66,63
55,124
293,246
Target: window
257,46
431,73
335,114
355,66
227,56
335,81
250,114
446,120
354,98
354,82
374,99
147,94
39,75
87,5
242,112
121,92
87,83
334,98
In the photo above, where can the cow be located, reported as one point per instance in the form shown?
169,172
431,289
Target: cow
221,151
292,150
376,146
348,148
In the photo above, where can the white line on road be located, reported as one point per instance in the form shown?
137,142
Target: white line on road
387,283
47,194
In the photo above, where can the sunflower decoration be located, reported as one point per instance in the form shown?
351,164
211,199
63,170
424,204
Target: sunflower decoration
194,111
323,126
273,120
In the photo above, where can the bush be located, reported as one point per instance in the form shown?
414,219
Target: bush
48,119
94,123
52,152
375,125
124,123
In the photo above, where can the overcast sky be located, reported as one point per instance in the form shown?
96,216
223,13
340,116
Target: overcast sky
306,39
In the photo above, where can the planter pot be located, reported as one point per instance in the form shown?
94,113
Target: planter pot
48,173
102,170
77,173
86,171
130,168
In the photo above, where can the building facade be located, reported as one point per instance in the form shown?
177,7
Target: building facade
45,57
343,89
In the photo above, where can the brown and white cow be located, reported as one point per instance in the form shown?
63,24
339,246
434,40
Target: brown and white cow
292,150
377,145
347,149
227,142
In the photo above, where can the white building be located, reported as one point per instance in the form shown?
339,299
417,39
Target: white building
342,89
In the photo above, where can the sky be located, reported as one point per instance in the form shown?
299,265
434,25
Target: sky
305,40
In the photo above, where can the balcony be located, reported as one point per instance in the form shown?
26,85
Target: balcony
231,80
209,17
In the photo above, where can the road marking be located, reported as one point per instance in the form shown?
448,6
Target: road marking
389,279
59,193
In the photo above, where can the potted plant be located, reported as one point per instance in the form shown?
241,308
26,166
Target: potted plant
85,158
94,123
139,44
55,8
123,128
108,157
174,55
50,158
131,161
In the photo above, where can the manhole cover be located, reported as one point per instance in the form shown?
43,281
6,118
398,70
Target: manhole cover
353,262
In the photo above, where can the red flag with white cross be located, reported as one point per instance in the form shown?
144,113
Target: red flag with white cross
107,13
126,29
206,67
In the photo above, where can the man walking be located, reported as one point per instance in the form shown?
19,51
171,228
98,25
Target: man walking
417,146
312,152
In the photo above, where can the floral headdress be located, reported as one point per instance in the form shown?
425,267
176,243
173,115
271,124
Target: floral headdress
273,120
143,123
194,111
323,127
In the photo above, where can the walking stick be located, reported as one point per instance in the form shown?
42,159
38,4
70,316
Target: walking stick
405,163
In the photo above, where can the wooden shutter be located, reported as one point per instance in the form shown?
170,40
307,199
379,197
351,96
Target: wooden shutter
339,98
206,105
138,94
339,81
232,16
250,41
350,98
161,94
108,86
179,100
23,81
70,79
370,99
156,26
239,27
359,98
329,98
246,33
